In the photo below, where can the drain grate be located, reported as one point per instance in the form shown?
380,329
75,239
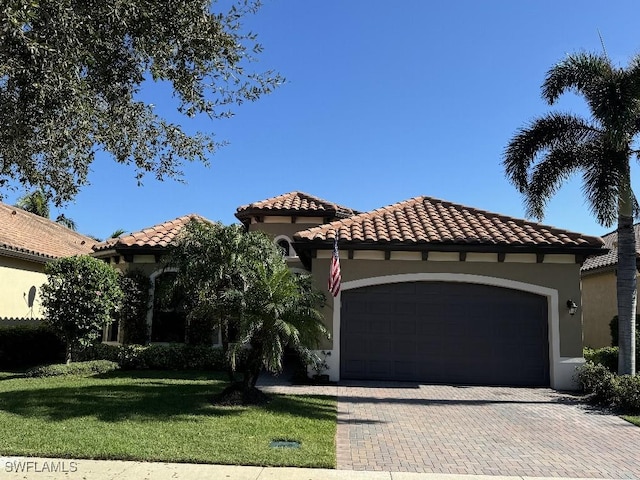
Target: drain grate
284,444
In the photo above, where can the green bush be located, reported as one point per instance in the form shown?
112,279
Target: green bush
627,393
159,356
607,356
93,367
596,380
26,346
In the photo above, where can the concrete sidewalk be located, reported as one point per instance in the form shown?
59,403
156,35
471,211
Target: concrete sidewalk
51,468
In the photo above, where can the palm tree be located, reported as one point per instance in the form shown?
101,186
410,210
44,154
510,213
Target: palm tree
279,309
66,221
117,233
551,148
35,202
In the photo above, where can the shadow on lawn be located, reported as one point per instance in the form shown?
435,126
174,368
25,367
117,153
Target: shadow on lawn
145,401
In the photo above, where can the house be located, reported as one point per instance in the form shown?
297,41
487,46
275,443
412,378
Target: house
143,251
599,297
431,290
439,292
27,243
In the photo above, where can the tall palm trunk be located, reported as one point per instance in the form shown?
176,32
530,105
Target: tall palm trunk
626,285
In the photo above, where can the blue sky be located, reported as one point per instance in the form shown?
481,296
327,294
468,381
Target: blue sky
384,101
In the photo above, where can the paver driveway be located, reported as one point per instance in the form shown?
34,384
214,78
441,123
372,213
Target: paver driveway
402,427
407,427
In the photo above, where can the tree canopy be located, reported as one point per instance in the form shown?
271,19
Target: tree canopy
546,152
71,72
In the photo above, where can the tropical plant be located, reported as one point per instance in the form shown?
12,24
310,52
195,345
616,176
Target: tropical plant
117,233
71,73
79,298
279,309
66,221
35,202
551,148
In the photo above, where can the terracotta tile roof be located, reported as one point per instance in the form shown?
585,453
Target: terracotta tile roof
295,203
428,221
158,236
611,258
28,234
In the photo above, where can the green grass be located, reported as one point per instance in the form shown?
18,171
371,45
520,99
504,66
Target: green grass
160,416
635,419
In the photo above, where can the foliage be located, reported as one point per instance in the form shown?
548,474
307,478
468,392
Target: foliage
62,219
71,73
279,309
621,393
606,356
627,394
132,313
159,357
613,327
94,367
546,152
79,298
35,202
25,346
160,416
598,381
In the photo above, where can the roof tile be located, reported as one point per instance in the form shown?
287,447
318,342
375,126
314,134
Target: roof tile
430,220
295,203
28,233
611,258
158,236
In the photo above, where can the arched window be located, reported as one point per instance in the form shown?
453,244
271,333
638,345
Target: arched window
169,318
285,247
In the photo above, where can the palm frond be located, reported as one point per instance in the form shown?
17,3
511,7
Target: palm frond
602,182
553,130
582,73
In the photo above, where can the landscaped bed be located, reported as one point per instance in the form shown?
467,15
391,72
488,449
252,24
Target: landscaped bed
160,416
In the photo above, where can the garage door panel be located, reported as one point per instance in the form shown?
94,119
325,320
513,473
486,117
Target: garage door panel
444,332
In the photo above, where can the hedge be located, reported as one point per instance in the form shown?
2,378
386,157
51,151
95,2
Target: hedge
26,346
93,367
621,393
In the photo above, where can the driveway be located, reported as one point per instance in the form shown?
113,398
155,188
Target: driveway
406,427
529,432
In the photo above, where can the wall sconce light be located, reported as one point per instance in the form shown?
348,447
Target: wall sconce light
571,305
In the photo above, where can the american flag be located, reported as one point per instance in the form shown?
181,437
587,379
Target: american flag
334,272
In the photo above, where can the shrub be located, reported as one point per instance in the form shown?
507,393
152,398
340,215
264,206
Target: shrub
607,356
26,346
598,381
93,367
159,356
79,297
627,393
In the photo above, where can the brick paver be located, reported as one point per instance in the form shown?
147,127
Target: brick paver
535,432
402,427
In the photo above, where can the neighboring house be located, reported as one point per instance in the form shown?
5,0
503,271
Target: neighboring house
27,243
440,292
599,297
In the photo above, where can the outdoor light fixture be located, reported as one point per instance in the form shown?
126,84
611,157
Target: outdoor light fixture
571,305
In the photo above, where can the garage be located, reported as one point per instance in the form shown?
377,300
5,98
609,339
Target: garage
445,332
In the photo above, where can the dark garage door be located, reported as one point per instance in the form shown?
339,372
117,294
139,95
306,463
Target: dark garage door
442,332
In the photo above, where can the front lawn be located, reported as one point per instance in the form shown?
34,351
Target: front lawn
160,416
635,419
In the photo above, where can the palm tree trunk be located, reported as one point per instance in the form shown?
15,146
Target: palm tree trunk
626,285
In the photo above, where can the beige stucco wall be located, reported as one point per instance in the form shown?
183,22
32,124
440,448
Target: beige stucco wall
565,278
17,278
599,300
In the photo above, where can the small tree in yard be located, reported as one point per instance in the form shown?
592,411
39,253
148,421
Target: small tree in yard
79,298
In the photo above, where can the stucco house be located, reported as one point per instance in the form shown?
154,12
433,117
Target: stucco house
431,290
440,292
599,297
27,243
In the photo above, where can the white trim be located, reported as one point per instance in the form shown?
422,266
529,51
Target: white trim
561,368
